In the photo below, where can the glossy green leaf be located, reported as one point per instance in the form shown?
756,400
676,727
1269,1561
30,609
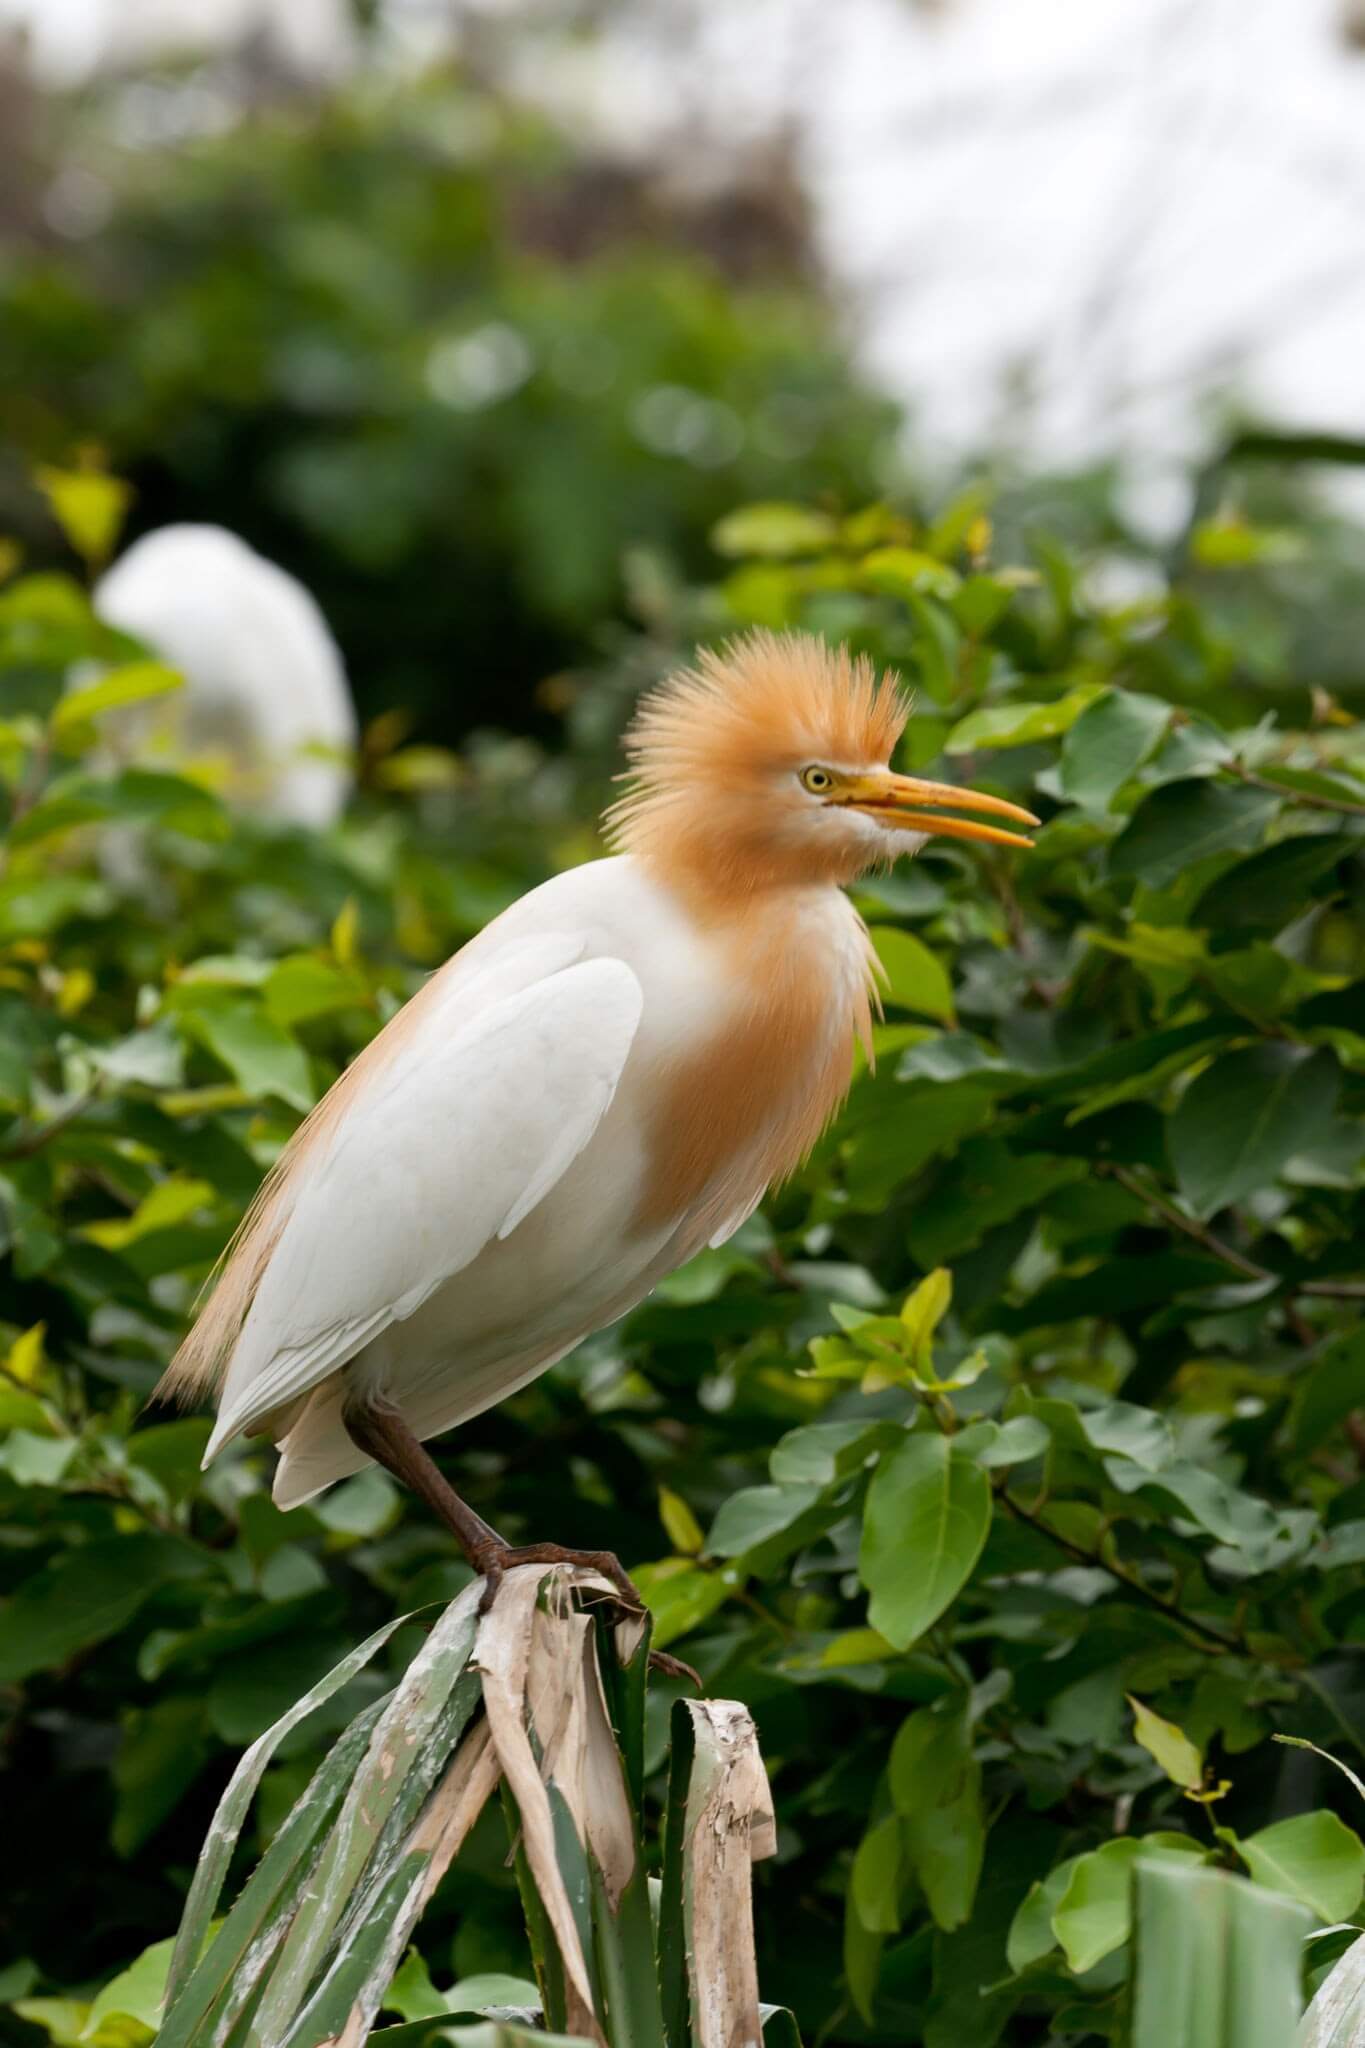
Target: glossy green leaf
915,978
926,1520
1184,822
85,1595
1108,744
1094,1914
1313,1857
773,528
1020,724
1245,1116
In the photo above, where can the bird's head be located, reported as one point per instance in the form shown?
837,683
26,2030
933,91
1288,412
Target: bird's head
768,765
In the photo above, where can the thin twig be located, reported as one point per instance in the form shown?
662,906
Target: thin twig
1332,1290
1135,1587
1178,1220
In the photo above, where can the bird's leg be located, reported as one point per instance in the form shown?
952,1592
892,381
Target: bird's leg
377,1428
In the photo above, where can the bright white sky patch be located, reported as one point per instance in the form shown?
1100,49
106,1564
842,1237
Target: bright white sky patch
1062,223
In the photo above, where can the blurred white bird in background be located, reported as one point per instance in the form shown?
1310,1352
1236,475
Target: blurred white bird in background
265,685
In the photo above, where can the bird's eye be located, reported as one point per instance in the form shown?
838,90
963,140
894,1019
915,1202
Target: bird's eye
816,780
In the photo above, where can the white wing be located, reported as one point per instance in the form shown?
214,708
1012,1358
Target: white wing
448,1148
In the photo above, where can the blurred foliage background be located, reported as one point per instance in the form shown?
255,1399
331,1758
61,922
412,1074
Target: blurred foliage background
531,426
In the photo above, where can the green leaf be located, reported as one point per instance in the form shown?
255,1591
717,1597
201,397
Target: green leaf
680,1596
1334,1387
260,1055
1094,1914
925,1524
136,682
986,1185
1001,1444
136,1993
412,1995
1184,822
34,1460
916,979
33,906
163,1749
1271,888
918,1123
825,1451
1230,543
1169,1746
1313,1857
1108,744
304,987
491,1987
935,1783
878,1874
86,1594
681,1526
1018,723
1031,1935
88,505
922,1311
1245,1116
900,571
751,1516
774,528
138,796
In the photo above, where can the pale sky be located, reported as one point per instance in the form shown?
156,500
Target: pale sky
1139,200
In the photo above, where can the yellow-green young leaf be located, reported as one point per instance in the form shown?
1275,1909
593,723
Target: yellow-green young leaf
773,528
899,570
134,683
413,769
25,1361
1168,1745
916,979
88,506
681,1526
170,1202
923,1311
1230,544
346,933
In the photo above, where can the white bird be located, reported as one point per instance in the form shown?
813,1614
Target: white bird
604,1081
264,679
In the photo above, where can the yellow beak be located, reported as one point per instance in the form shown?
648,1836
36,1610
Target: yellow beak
909,805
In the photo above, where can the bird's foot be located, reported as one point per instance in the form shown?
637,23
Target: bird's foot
493,1560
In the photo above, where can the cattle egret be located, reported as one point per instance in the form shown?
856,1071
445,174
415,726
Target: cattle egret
604,1081
264,681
